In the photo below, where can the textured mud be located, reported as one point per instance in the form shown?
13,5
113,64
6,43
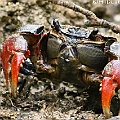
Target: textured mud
48,101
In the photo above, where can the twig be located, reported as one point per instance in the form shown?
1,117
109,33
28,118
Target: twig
93,20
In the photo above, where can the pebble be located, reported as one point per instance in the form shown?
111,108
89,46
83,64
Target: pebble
117,18
114,118
71,13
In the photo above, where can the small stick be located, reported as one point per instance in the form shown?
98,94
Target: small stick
93,20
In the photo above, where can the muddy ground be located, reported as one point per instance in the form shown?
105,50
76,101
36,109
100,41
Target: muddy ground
48,101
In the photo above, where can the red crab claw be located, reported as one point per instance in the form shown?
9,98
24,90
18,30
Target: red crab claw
14,50
109,83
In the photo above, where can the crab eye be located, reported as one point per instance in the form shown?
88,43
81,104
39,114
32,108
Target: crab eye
62,47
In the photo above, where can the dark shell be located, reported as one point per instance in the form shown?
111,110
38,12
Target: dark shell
75,31
53,46
34,29
92,57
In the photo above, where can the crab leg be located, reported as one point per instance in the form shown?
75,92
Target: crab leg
110,82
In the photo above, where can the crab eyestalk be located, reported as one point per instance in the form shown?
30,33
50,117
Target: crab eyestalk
109,84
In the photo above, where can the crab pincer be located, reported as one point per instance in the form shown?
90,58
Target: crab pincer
110,82
14,50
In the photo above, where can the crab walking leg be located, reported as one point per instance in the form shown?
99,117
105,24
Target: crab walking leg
15,68
108,89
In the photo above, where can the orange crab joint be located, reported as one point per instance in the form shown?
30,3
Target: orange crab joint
108,90
15,68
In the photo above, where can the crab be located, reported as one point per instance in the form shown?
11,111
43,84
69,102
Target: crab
67,53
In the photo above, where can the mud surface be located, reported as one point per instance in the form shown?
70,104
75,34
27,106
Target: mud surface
48,101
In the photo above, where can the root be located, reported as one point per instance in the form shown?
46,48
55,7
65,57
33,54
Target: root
93,20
